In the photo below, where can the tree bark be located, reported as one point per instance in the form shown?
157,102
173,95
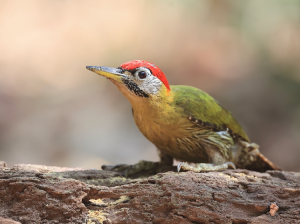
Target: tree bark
41,194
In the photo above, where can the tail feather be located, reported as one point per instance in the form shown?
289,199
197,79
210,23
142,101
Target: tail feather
267,164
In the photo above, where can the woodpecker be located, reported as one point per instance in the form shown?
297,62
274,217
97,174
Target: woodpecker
183,122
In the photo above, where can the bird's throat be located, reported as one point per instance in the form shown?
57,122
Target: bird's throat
155,116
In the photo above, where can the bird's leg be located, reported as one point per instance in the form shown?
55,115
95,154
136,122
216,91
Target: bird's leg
129,170
165,159
204,167
140,166
143,165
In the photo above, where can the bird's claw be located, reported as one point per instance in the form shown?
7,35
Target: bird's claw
180,165
115,168
129,170
205,167
230,165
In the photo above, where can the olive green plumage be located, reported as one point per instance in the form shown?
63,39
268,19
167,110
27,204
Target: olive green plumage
198,104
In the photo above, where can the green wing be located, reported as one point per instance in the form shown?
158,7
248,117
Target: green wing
199,105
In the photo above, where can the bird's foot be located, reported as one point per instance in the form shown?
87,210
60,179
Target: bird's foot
129,170
204,167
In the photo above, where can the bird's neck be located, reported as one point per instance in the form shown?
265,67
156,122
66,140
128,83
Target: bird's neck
155,107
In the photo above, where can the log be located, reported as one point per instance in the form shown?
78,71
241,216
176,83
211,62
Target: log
43,194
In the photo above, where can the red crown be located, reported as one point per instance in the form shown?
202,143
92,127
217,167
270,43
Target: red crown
155,70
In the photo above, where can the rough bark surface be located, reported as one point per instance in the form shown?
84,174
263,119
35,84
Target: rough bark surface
40,194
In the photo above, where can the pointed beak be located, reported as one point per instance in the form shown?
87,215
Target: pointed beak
110,73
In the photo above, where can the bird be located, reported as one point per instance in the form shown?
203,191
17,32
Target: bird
183,122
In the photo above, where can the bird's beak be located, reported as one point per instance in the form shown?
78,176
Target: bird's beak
110,73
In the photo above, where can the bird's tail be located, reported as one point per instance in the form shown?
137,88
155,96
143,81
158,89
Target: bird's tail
248,156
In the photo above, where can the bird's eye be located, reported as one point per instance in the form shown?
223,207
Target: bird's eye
142,74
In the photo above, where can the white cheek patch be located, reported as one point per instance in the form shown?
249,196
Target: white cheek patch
146,82
150,85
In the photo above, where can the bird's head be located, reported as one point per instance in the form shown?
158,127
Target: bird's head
136,79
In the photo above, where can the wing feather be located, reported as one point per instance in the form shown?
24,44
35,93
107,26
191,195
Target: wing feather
204,110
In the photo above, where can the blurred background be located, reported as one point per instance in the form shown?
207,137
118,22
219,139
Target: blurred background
53,111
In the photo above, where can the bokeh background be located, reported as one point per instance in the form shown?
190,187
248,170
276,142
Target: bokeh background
53,111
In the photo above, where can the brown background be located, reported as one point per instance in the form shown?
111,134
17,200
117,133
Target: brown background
53,111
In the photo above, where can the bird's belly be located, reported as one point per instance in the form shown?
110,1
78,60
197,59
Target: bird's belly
174,140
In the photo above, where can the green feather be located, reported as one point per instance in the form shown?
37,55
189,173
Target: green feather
199,105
